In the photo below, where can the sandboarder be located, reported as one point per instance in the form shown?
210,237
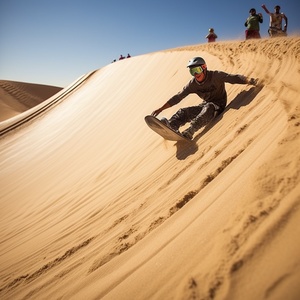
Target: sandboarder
208,85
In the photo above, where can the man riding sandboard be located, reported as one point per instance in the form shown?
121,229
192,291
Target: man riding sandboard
209,86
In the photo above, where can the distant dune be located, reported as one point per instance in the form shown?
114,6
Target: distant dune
17,97
94,205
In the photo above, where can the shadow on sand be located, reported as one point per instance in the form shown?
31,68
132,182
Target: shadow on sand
244,98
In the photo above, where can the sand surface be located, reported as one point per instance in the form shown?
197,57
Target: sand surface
94,205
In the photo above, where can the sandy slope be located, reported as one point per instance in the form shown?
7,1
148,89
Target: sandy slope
95,205
17,97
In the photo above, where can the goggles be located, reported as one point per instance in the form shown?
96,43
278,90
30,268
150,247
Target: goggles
197,70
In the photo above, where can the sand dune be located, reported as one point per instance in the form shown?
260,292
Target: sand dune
94,205
17,97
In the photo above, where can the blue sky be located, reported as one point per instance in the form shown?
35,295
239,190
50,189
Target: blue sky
56,41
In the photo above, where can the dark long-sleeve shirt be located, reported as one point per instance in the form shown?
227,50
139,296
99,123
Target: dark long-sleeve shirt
211,90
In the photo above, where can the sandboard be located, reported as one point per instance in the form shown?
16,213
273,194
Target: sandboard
163,130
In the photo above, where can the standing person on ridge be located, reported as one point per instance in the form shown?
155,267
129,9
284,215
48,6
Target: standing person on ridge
252,24
275,26
211,37
208,85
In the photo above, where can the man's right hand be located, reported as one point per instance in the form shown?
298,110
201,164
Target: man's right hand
156,112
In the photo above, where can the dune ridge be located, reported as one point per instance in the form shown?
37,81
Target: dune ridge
94,205
17,97
36,110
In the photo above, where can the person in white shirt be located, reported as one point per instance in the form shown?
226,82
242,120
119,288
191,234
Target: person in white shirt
275,27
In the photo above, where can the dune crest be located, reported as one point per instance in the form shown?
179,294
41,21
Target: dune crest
94,205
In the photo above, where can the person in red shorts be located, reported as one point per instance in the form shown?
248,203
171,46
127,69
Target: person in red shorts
211,37
252,24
